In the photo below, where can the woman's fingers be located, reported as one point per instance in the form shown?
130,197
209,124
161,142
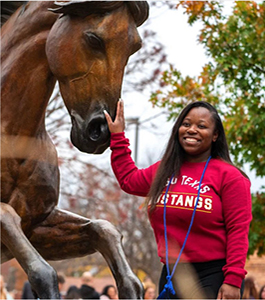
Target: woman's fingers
119,124
120,110
108,117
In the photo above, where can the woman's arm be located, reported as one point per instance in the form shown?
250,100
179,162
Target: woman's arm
236,202
131,179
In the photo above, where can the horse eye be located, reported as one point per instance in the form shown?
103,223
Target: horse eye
94,41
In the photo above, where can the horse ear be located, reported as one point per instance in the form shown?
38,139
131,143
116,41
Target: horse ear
139,11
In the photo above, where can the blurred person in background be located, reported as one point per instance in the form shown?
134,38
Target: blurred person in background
109,292
147,282
61,282
73,293
149,292
27,292
250,289
4,294
262,292
87,290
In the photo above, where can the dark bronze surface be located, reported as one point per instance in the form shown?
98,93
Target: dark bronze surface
87,55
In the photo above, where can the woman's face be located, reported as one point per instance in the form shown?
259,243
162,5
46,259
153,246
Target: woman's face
112,293
2,284
150,293
196,134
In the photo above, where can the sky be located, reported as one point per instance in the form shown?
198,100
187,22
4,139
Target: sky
184,52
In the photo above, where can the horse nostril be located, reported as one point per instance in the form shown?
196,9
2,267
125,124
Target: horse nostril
96,129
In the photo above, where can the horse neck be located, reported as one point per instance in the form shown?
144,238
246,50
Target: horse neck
27,82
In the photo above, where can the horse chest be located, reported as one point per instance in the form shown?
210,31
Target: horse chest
31,187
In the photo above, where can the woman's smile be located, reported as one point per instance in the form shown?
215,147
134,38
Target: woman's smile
191,140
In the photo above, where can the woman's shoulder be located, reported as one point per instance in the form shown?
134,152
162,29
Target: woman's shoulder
229,171
220,163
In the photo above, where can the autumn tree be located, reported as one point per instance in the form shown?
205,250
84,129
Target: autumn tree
233,80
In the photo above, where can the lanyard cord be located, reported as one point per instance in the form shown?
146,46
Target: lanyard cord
169,286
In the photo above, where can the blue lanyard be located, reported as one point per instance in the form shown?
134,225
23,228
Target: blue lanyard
168,288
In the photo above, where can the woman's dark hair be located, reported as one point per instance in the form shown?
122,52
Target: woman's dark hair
250,290
260,292
73,293
173,157
106,289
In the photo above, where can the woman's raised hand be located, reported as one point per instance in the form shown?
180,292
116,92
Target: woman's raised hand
119,123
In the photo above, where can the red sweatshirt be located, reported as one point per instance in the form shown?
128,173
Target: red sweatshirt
221,223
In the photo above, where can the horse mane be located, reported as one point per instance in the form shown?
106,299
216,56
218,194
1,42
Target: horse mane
8,8
138,9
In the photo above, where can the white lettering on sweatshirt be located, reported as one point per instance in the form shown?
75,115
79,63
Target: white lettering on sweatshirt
186,180
185,201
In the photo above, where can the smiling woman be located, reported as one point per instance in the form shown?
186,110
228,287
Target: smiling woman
195,176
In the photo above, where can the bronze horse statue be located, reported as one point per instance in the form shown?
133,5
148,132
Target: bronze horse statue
85,46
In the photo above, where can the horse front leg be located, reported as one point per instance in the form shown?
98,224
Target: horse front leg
65,235
110,246
41,275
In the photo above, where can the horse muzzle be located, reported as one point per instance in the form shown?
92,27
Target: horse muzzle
92,135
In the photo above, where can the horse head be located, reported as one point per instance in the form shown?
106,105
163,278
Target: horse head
87,50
